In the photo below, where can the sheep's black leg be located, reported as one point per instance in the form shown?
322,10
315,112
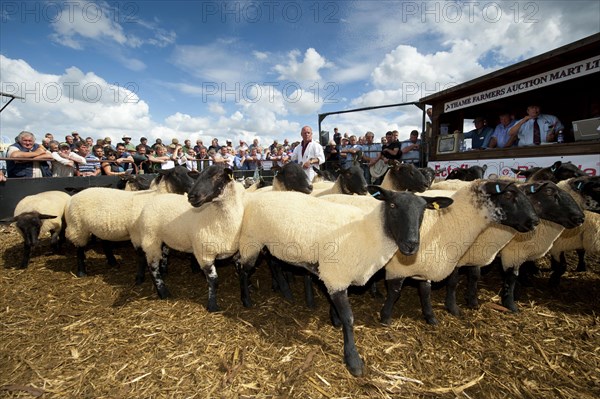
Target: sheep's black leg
559,267
26,255
473,275
425,297
55,241
351,356
508,290
164,260
452,282
142,265
278,281
213,283
334,317
157,279
81,271
108,252
309,293
581,266
394,287
194,265
244,272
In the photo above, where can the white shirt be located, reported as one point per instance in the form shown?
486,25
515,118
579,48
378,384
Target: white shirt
313,150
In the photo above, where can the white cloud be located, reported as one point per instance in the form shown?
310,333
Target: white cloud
84,21
260,55
306,70
216,108
88,20
71,101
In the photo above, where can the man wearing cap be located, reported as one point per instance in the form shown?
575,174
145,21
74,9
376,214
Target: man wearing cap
481,135
107,144
309,153
129,147
535,128
65,161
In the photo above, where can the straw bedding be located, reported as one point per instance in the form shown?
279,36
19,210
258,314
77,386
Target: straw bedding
103,337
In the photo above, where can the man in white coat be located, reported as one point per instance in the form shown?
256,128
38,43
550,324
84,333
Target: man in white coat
308,153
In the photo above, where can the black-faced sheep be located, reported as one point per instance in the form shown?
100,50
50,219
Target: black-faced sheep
550,203
558,171
586,192
471,173
447,235
350,181
206,225
109,214
527,247
405,177
341,244
37,215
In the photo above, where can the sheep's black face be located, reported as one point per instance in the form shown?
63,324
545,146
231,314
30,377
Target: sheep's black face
553,204
408,177
177,179
511,206
353,181
210,184
471,173
589,188
566,171
403,215
293,178
429,174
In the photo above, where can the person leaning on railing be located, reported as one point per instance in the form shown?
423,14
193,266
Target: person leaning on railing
27,159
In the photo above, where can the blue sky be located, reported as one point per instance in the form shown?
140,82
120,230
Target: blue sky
244,69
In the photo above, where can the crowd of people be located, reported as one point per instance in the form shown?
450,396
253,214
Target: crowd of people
78,156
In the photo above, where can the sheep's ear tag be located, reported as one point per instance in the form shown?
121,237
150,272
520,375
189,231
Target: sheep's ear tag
376,194
553,169
498,189
532,189
436,206
579,185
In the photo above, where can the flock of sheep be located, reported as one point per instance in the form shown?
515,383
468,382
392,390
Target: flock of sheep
343,232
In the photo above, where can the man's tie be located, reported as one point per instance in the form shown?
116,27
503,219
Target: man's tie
536,132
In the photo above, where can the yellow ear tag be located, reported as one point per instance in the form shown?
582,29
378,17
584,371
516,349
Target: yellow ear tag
436,206
230,177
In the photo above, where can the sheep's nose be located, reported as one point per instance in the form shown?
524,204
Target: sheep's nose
409,247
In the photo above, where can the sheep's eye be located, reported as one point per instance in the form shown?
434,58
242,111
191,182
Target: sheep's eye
508,195
392,205
549,191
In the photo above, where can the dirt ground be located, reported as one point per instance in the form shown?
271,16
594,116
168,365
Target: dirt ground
103,337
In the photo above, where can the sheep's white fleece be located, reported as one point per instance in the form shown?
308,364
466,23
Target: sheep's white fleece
107,213
586,236
348,245
387,181
327,188
446,235
530,246
48,202
210,231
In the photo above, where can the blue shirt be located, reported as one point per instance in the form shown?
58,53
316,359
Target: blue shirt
480,138
501,134
546,123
